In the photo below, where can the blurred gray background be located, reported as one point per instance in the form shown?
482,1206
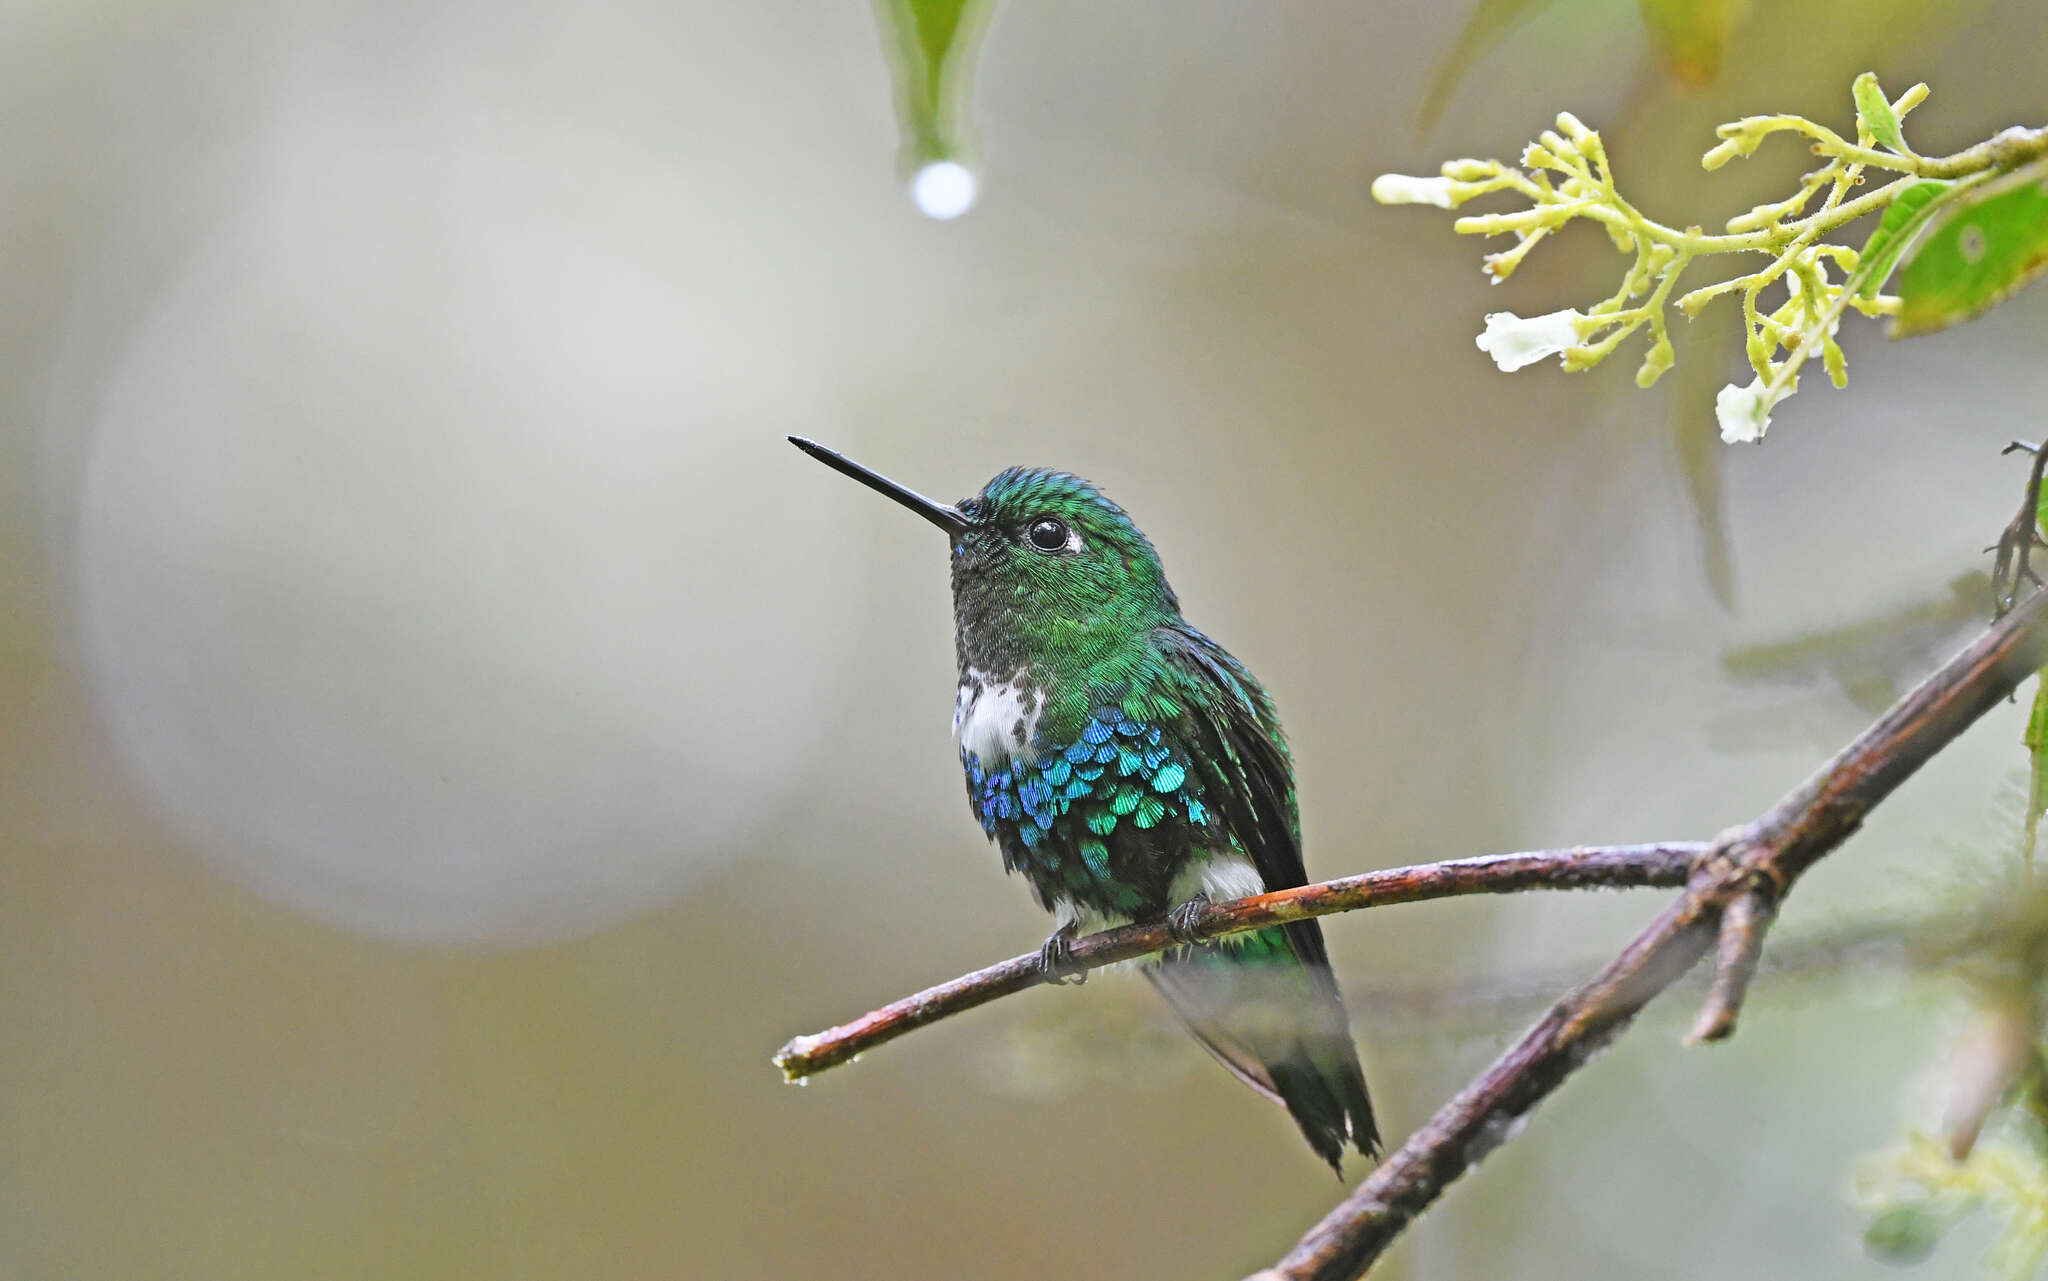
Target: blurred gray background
450,740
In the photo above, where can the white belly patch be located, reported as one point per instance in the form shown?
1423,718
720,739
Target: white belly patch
996,720
1222,877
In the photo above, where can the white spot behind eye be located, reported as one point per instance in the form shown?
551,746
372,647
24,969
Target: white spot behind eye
1031,529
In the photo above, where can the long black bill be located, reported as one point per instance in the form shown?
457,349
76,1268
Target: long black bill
950,519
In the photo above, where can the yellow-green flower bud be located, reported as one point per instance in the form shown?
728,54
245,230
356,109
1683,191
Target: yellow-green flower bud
1470,170
1500,266
1837,364
1739,138
1658,359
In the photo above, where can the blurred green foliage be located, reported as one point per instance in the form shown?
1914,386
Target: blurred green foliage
1870,659
1690,38
1921,1191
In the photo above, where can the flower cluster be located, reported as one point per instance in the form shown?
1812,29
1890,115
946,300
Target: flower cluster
1565,176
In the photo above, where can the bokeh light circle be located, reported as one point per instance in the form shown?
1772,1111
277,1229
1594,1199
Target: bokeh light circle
419,558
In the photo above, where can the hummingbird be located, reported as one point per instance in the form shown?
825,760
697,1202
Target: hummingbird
1131,769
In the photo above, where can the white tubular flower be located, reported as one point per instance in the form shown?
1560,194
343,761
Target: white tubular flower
1514,342
1401,189
1745,412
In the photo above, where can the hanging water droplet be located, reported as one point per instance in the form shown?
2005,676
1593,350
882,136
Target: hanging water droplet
932,46
944,189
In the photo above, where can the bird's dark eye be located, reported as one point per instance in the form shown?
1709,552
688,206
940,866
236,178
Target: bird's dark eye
1047,534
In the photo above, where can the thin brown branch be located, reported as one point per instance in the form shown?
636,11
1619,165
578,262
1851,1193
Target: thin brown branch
1584,867
1771,853
1741,945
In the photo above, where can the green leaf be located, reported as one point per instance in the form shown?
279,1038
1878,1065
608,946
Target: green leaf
1892,237
931,45
2037,763
1987,245
1875,111
1905,1233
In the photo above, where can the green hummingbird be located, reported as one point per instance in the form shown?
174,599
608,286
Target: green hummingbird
1132,770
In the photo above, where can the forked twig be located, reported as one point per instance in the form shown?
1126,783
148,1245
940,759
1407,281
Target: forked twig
1775,850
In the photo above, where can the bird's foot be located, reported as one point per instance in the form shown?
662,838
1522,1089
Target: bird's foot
1056,957
1183,921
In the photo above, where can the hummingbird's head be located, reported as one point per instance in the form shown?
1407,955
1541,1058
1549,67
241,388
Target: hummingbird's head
1047,571
1055,550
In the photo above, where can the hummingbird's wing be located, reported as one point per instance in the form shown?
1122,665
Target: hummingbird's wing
1265,1004
1238,743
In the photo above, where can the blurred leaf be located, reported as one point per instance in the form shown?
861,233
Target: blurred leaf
1988,1058
1881,252
1696,439
2037,754
1905,1233
1875,111
1990,242
932,46
1870,658
1691,36
1490,22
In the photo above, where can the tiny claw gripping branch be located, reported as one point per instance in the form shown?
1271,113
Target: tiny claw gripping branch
1185,922
1056,957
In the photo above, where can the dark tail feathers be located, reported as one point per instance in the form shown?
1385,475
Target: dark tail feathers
1268,1009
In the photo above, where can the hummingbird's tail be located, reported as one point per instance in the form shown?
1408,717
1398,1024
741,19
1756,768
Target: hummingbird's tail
1266,1005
